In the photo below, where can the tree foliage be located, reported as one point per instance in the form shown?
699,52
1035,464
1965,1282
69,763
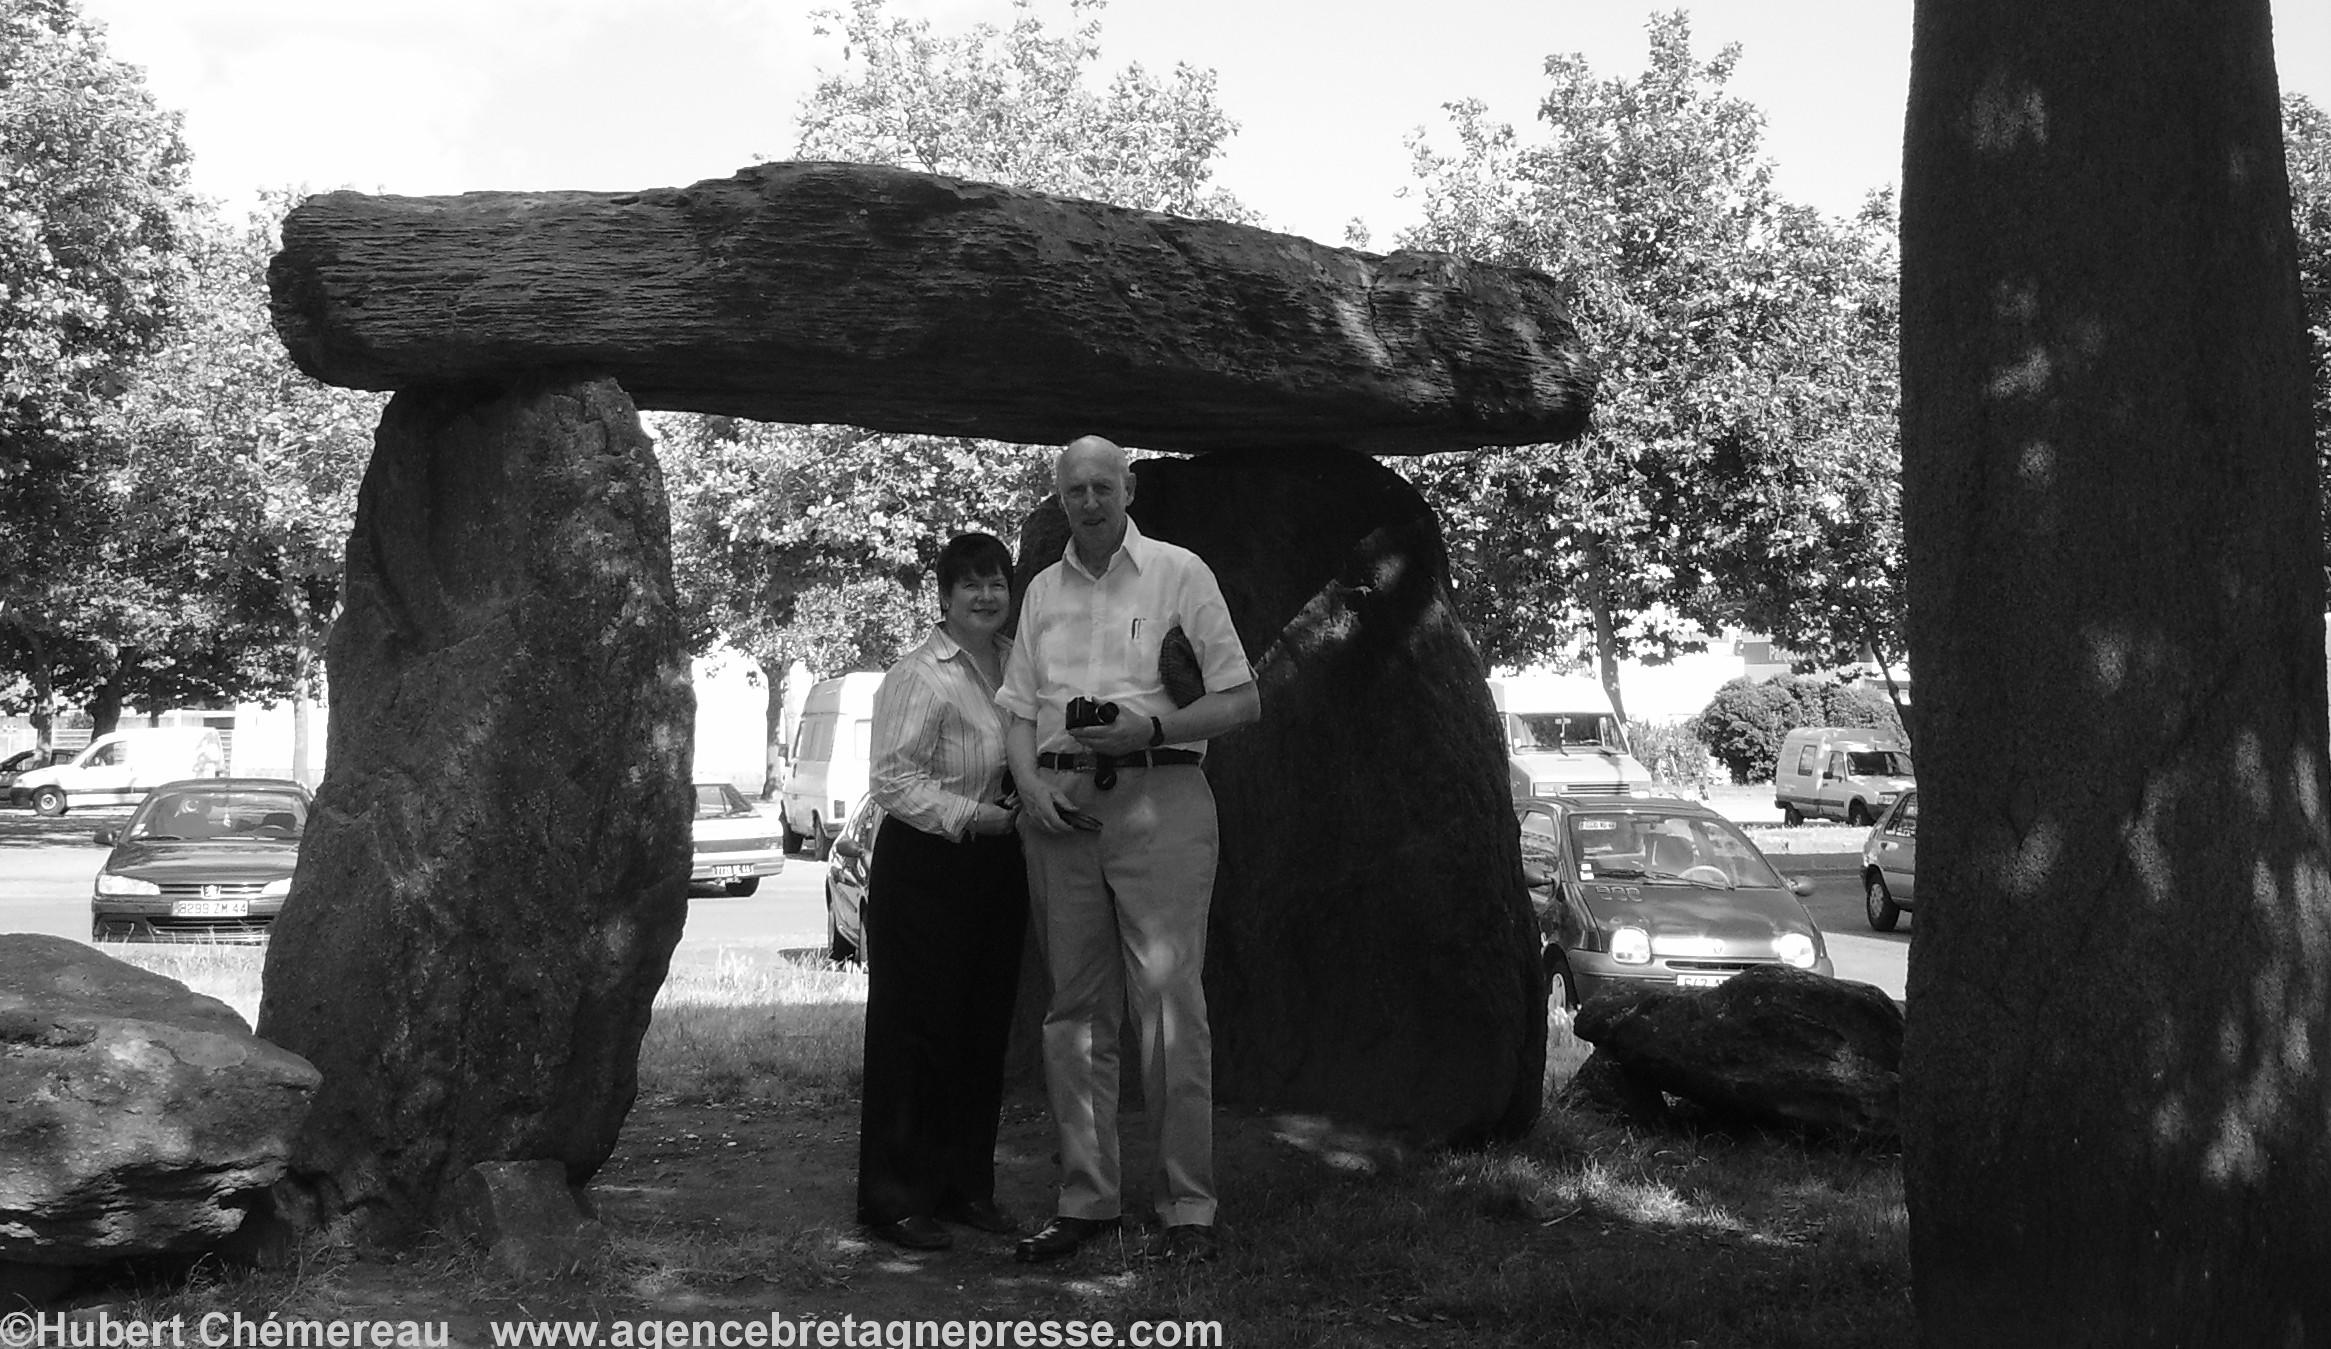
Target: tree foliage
92,193
813,542
2306,148
1742,452
226,507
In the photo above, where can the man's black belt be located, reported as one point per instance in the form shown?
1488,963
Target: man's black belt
1140,758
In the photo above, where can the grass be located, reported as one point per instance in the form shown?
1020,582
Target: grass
1587,1233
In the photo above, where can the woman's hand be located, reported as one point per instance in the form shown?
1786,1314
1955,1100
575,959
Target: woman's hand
990,819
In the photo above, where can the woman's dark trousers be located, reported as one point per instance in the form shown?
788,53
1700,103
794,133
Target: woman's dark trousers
944,923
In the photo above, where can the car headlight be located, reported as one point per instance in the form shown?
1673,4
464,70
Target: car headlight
1631,946
1795,948
110,883
274,889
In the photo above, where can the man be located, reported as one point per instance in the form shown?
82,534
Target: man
1118,825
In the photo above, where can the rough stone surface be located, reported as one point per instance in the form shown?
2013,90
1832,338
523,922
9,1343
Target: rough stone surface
136,1117
531,1221
903,301
495,874
1773,1045
1371,953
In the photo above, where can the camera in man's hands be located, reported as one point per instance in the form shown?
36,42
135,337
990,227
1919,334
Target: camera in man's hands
1084,712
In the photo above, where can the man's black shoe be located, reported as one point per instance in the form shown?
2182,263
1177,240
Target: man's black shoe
981,1214
1059,1238
918,1233
1192,1242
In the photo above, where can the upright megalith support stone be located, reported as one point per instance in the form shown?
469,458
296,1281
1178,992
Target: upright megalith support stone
1371,952
496,871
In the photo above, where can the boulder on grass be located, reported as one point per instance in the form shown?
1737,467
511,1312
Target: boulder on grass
137,1117
1771,1046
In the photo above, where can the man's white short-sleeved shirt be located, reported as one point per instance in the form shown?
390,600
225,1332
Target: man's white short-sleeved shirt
1098,636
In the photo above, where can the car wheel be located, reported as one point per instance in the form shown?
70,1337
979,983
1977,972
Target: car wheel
820,846
1858,814
1791,816
785,826
1879,903
744,887
1560,985
49,800
838,947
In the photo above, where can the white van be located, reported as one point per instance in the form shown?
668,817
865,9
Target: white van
119,769
833,749
1847,773
1563,738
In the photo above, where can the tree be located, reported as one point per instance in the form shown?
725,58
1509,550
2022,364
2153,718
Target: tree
812,542
2118,1058
92,189
1746,403
261,464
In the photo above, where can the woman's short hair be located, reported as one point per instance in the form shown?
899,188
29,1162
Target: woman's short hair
969,555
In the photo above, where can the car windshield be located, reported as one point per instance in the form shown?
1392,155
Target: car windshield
1542,732
716,799
1878,763
1679,849
220,812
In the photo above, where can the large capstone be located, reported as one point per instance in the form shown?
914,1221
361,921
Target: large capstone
136,1117
1372,953
495,874
902,301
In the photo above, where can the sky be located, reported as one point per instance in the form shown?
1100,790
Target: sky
427,97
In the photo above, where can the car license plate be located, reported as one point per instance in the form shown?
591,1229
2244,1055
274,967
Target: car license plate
732,869
210,908
1700,980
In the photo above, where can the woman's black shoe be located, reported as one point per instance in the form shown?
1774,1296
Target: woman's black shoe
981,1214
918,1233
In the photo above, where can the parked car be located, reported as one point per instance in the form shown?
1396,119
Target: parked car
30,761
201,859
120,768
735,845
1890,864
1654,890
846,883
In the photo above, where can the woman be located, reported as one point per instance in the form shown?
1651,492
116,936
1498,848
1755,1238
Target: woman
946,906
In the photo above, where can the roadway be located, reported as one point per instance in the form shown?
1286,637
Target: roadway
47,868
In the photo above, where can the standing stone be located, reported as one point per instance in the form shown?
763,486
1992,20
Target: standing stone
495,874
1371,952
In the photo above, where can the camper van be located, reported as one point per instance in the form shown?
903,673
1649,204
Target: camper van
832,752
119,769
1840,773
1563,738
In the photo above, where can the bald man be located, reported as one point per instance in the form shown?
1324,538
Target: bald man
1118,826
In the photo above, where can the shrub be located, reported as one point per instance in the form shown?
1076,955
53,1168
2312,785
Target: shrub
1744,724
1670,750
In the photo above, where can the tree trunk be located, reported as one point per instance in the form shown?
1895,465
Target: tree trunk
2118,1061
1606,632
1902,712
105,703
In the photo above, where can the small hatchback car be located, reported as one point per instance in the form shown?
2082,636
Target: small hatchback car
846,883
1890,864
1651,890
202,860
735,846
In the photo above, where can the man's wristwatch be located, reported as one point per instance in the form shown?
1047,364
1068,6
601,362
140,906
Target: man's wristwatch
1156,733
